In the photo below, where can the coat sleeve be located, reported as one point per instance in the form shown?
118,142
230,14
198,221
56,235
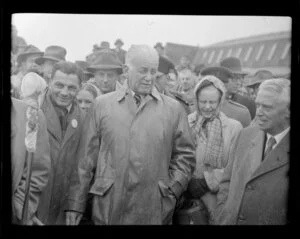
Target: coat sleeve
183,162
41,166
224,185
87,160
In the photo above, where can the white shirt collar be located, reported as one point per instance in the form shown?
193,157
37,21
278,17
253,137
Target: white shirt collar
278,137
69,108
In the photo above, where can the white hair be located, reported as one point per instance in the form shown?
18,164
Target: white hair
141,55
279,86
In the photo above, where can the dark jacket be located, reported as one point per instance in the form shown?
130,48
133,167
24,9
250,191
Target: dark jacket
246,101
64,150
252,191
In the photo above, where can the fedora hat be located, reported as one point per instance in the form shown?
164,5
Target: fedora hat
165,65
259,77
119,41
159,44
54,53
84,65
234,65
105,60
28,51
220,72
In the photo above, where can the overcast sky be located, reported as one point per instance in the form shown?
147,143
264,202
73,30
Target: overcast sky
78,32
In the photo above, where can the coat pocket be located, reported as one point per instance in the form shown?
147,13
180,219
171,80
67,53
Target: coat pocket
101,186
168,202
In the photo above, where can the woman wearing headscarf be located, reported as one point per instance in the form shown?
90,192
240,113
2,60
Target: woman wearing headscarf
215,135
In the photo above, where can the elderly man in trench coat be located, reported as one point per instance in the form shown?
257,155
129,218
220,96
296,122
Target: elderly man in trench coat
254,188
138,144
40,165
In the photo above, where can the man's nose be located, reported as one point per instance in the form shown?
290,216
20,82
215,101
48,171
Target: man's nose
148,77
105,78
64,91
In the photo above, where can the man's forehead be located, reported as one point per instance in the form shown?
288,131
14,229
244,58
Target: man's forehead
106,71
63,76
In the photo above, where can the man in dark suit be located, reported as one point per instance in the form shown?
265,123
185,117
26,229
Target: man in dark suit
254,187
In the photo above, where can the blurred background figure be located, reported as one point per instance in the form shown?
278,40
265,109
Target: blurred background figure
52,55
236,84
87,75
26,63
107,70
86,96
198,69
185,63
104,45
254,83
160,49
185,87
121,54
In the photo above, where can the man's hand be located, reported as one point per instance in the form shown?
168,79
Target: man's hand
73,218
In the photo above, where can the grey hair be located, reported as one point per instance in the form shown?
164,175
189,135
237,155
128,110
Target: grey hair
138,53
280,86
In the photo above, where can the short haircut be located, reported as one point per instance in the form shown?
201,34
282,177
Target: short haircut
279,86
137,53
68,68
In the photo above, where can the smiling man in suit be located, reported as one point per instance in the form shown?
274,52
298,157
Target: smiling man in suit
64,124
254,187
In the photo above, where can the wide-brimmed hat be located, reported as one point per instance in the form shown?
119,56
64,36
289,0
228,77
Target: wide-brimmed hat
165,65
84,65
234,65
159,44
28,51
218,71
259,77
106,60
54,53
119,41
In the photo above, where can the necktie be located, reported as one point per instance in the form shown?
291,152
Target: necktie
137,99
270,145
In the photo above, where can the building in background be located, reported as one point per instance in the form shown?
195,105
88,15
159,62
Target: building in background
268,51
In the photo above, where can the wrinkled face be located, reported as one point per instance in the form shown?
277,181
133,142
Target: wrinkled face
271,113
106,80
184,61
30,65
46,69
208,101
85,99
64,88
141,78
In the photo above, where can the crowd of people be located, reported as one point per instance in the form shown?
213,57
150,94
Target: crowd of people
127,137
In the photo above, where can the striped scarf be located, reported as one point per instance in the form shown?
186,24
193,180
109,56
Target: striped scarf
209,131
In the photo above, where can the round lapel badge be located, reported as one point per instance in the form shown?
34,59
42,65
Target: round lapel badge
74,123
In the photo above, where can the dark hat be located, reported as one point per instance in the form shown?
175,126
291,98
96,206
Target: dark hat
104,45
105,60
259,77
218,71
84,65
119,41
234,65
54,53
159,44
165,65
29,50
